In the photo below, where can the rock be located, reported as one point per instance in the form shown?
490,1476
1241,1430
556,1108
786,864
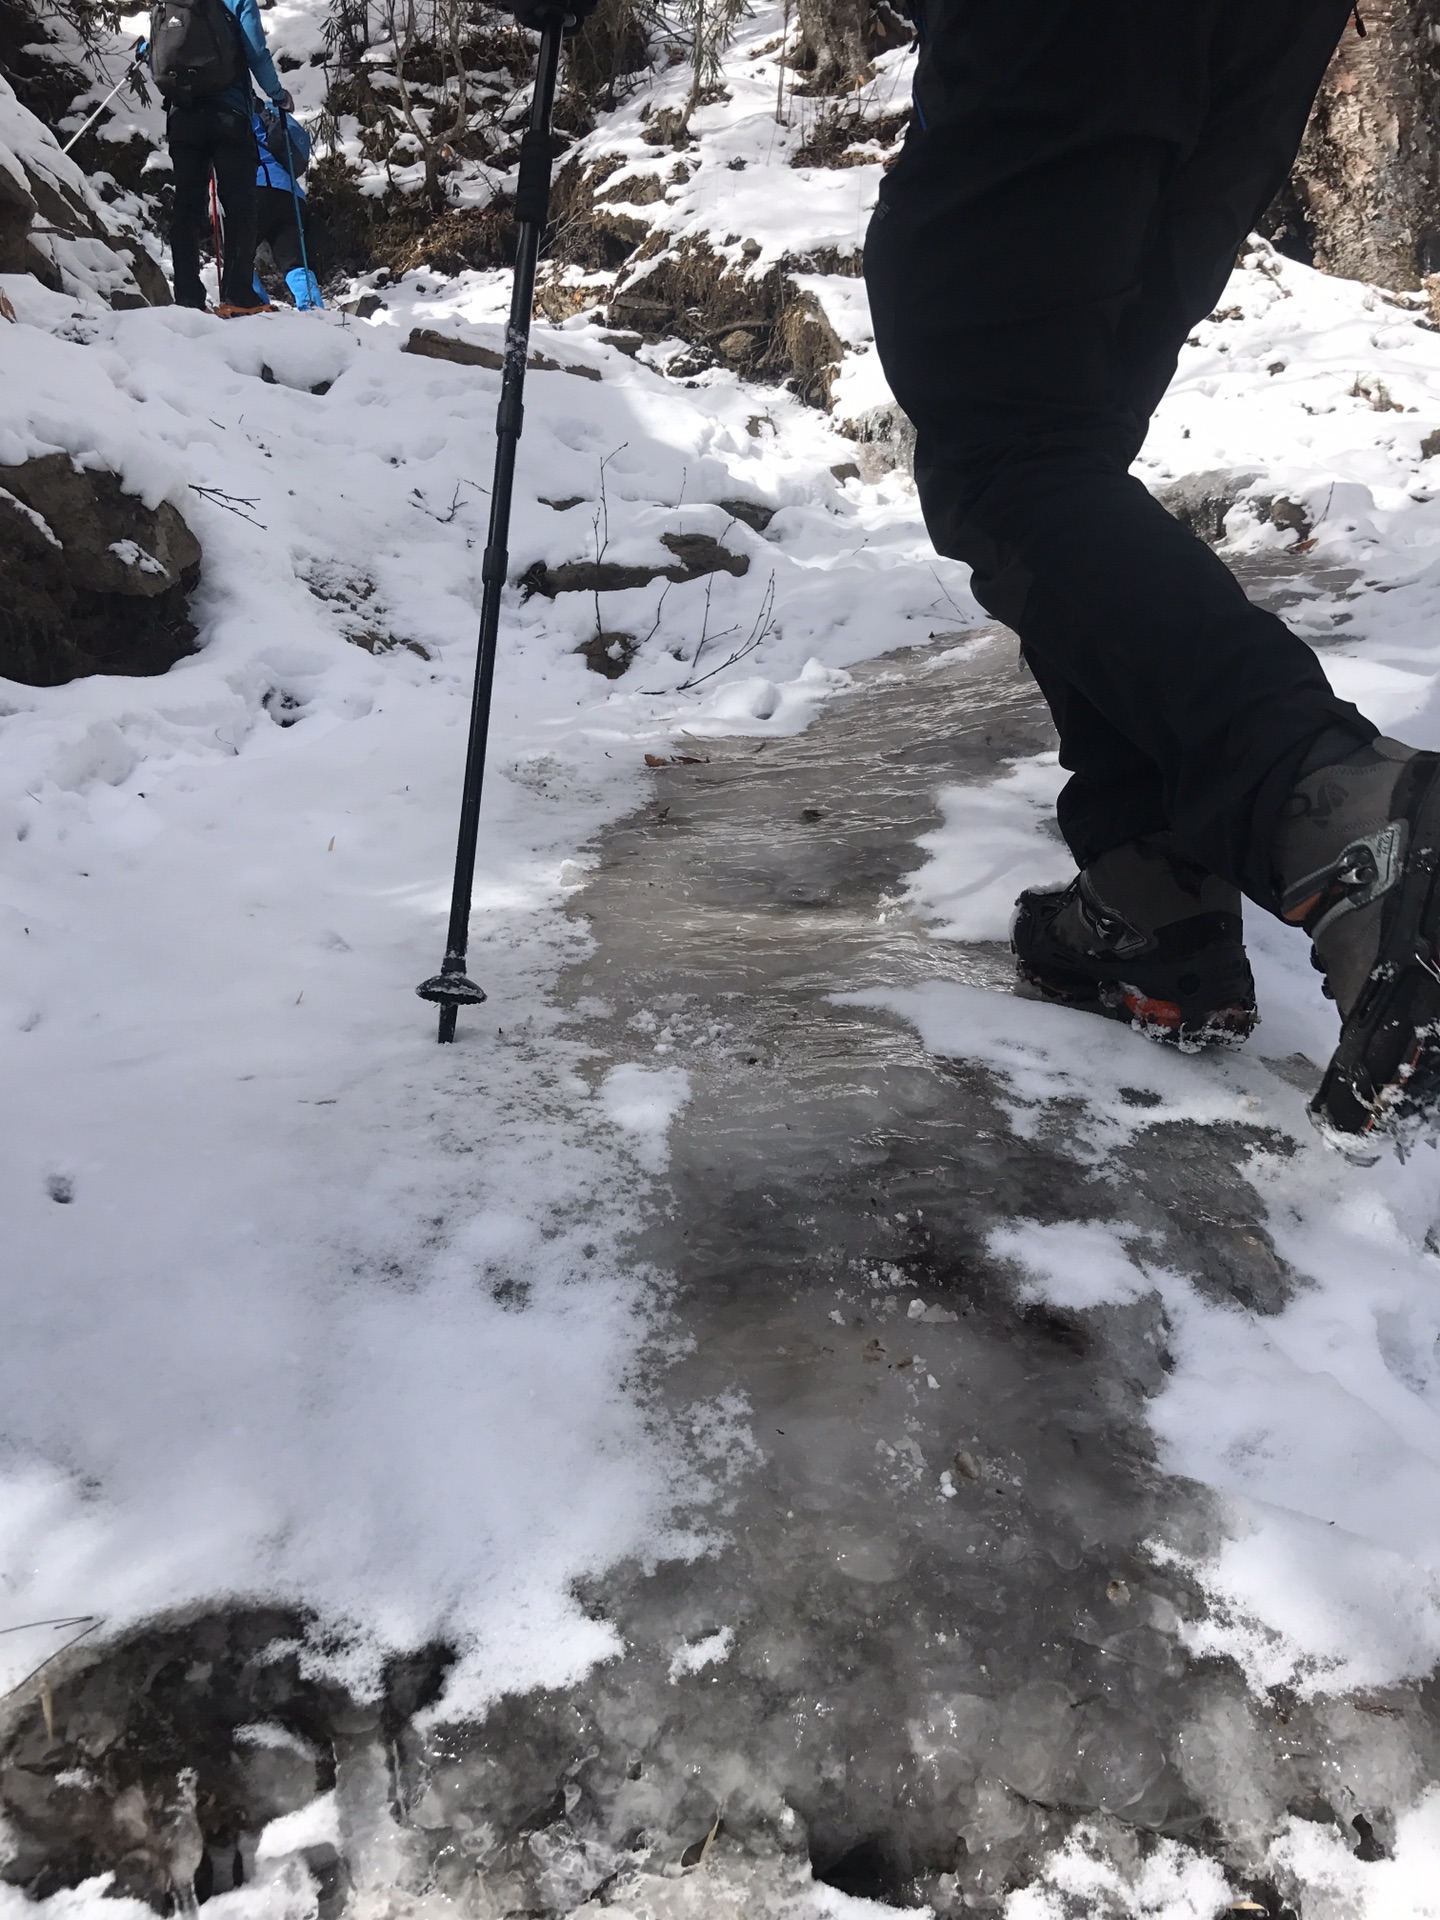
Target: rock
469,353
443,346
737,347
91,579
54,226
751,512
811,347
696,554
1430,445
667,128
363,305
1201,500
636,190
1284,512
885,440
609,654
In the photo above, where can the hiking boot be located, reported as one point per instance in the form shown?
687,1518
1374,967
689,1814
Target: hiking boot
1357,856
228,312
1142,935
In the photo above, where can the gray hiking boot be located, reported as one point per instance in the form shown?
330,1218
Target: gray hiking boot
1142,935
1357,857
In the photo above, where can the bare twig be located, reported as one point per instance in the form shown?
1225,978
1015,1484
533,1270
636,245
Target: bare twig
231,502
87,1624
602,520
764,626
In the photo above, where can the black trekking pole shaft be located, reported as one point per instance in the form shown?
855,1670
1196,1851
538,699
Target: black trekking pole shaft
450,987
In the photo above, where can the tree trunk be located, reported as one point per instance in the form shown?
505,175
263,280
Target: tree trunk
1362,200
840,38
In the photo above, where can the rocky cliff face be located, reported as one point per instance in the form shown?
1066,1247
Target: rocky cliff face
54,226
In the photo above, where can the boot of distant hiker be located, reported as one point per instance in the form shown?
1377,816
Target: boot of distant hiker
1356,859
1143,935
305,287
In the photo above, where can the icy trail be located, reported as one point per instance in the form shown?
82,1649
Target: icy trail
314,1332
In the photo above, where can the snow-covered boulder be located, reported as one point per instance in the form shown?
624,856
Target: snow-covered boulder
91,579
54,226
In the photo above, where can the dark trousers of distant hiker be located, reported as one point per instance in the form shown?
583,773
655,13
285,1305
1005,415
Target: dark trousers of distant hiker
202,140
277,226
1068,205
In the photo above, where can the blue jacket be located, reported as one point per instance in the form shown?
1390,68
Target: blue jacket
272,171
257,58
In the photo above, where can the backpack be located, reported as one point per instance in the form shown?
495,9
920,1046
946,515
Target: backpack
194,49
281,150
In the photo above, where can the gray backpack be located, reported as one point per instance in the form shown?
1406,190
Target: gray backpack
195,50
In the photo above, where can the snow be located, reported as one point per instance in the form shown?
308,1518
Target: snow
642,1101
266,1243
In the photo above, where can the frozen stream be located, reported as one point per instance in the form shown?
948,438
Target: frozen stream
931,1633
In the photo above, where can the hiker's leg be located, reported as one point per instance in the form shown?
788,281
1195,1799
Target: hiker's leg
190,159
1006,263
275,227
235,164
1114,792
1207,207
284,233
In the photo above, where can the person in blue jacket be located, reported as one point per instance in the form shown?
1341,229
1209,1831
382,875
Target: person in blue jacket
214,134
279,138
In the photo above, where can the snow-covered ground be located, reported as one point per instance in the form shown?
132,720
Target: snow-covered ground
266,1246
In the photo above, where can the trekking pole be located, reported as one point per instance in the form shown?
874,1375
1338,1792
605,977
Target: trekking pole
217,234
295,196
134,66
452,988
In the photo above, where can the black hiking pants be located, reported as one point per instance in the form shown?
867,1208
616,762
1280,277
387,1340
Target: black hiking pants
202,140
277,226
1069,202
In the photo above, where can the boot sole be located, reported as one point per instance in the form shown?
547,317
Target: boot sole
1383,1081
1186,1026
